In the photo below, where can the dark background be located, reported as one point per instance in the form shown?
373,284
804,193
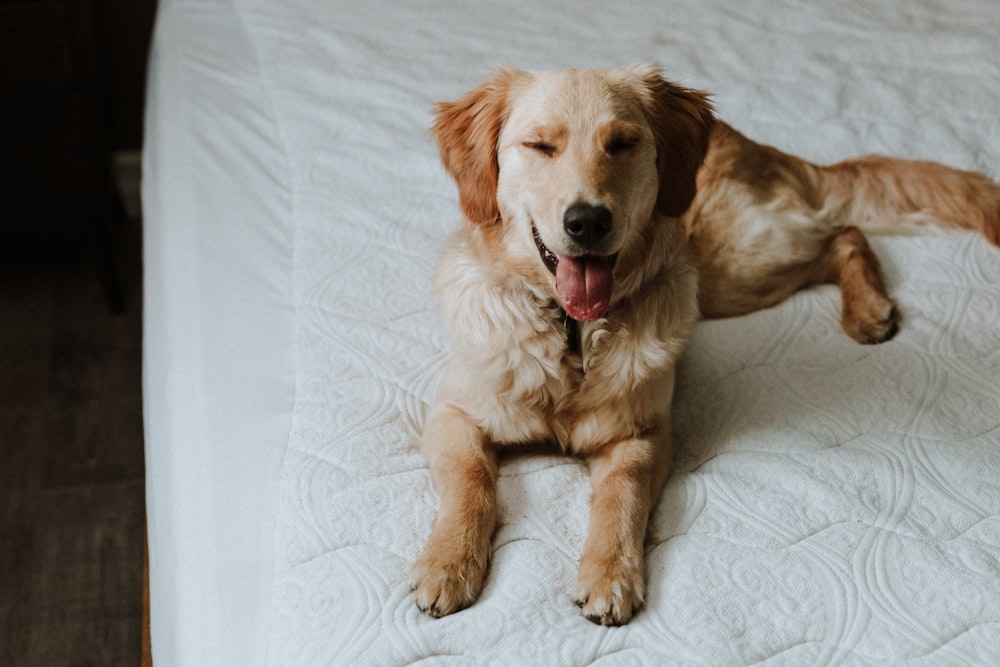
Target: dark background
72,519
125,26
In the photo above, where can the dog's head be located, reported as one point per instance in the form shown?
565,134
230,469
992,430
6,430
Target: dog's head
571,166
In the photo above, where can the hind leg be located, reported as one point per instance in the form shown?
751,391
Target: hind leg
844,258
761,258
868,314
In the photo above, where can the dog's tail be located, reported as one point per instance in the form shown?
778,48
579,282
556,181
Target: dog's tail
884,195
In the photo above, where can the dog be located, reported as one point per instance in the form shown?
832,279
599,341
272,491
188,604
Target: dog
605,212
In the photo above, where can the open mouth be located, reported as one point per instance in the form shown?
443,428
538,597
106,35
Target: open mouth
584,283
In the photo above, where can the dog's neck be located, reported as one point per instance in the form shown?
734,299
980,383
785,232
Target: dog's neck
572,329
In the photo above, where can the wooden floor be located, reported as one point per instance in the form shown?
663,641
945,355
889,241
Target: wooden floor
71,472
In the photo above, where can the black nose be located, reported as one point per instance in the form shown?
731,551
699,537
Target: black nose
587,224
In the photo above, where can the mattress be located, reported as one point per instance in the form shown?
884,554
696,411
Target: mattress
833,503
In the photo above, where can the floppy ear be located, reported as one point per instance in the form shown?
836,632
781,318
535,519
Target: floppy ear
467,131
681,120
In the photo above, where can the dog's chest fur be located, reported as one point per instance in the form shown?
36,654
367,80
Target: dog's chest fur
518,372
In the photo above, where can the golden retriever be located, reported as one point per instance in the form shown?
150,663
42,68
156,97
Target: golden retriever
605,210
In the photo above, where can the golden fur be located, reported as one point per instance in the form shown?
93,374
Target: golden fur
697,219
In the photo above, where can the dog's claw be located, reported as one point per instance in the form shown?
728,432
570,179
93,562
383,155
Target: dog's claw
444,584
878,325
610,599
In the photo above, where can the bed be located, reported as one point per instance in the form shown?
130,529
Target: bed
833,503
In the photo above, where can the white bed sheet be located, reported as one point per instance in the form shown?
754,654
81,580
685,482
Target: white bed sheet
218,337
834,503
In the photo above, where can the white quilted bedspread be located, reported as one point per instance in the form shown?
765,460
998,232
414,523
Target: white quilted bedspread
834,503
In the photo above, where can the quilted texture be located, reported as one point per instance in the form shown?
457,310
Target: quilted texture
833,504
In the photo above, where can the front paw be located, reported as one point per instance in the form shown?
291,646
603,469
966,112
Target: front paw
447,580
610,592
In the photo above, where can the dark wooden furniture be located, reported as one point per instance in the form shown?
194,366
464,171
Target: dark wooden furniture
55,176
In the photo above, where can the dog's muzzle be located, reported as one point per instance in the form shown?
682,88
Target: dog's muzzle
584,283
587,225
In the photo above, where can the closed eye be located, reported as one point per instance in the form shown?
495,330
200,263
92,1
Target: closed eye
622,144
542,147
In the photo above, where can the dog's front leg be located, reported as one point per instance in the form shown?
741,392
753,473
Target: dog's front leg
627,478
449,575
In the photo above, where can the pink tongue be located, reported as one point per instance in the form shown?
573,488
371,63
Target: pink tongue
584,285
